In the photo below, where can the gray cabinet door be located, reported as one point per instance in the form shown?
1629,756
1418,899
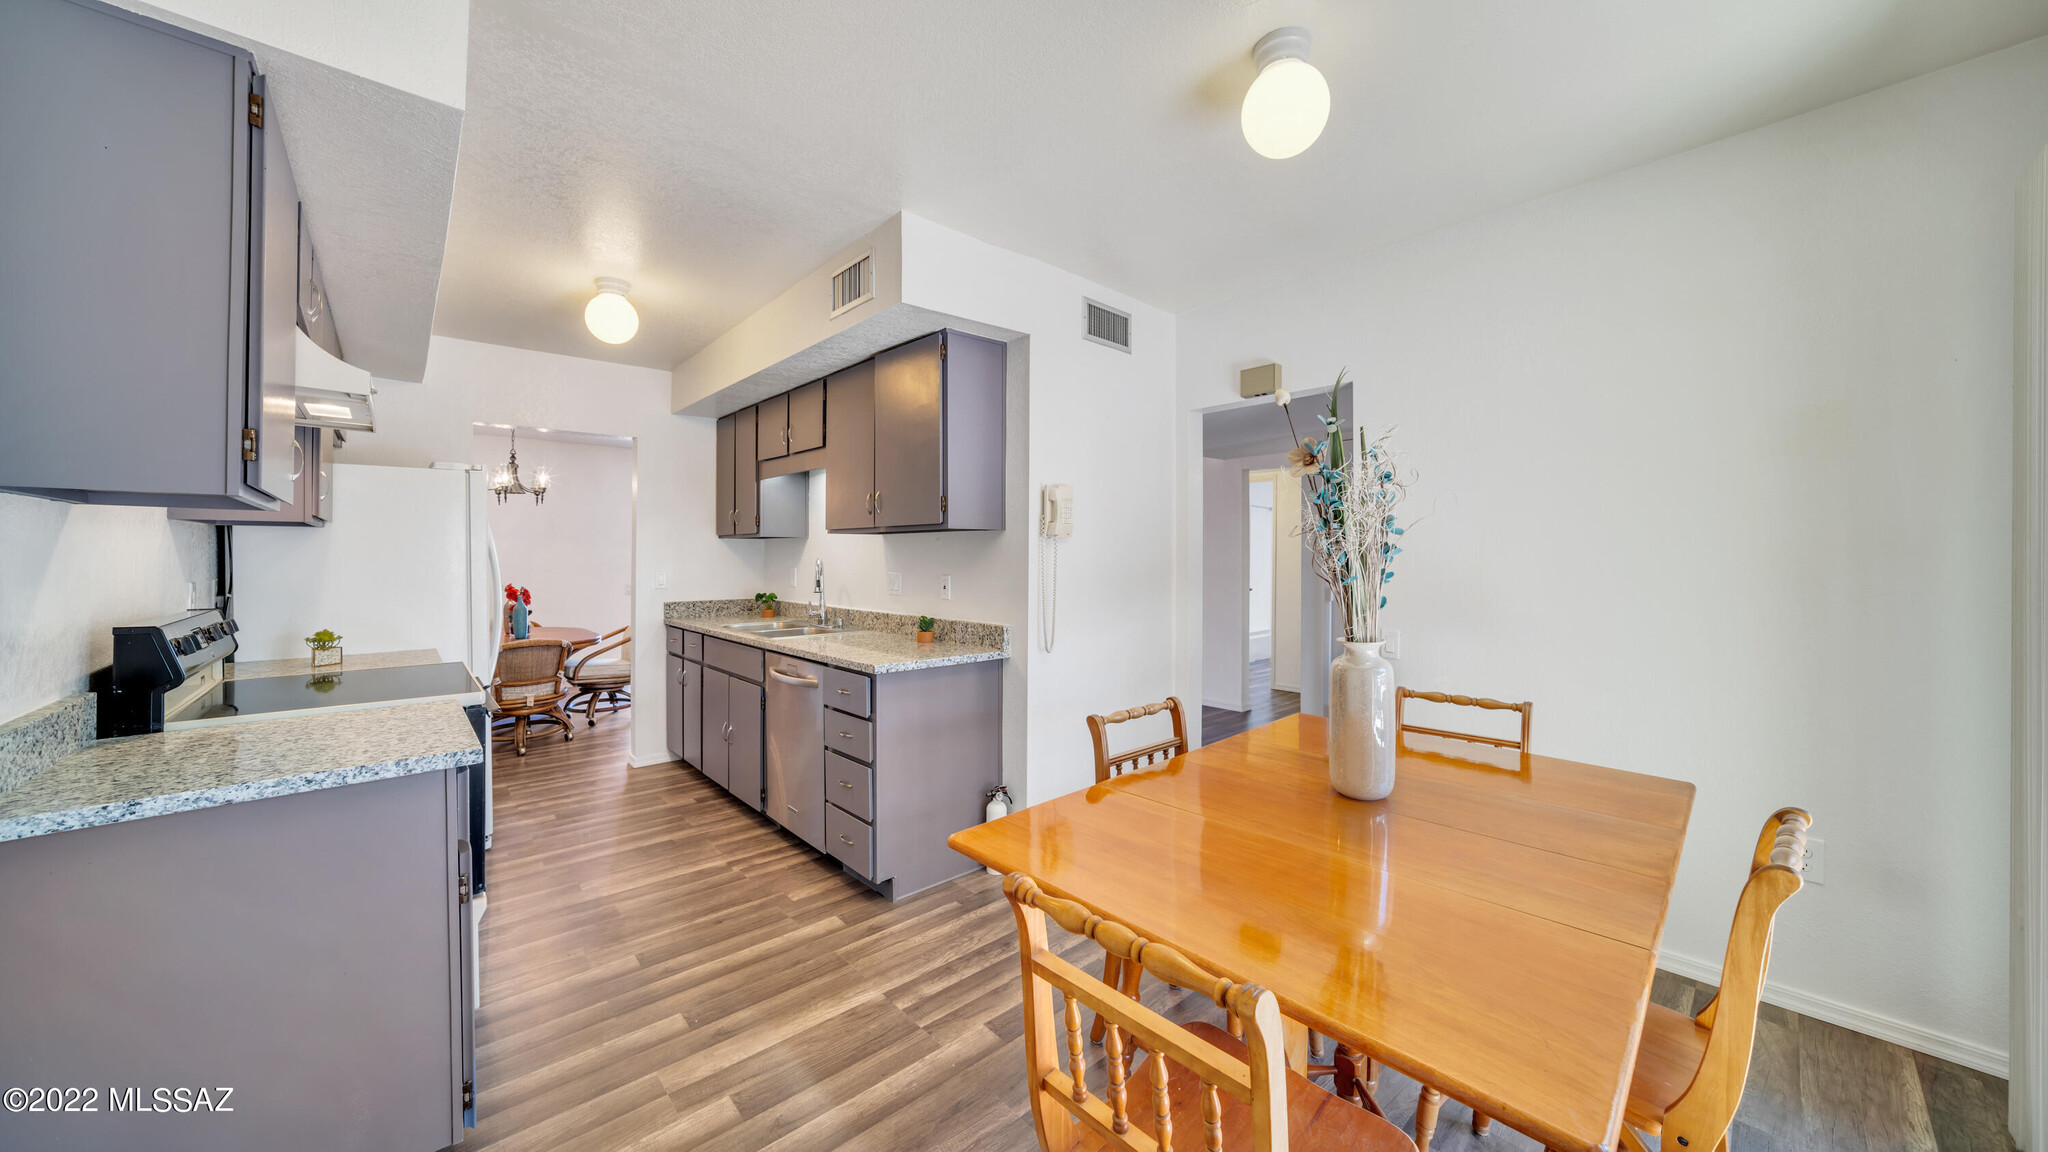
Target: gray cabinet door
850,452
324,479
717,751
307,500
910,442
744,713
723,484
674,705
746,483
693,713
273,355
771,437
807,417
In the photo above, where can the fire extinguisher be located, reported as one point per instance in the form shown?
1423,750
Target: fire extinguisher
998,807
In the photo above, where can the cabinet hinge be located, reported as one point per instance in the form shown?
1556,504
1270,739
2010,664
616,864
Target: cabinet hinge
255,109
942,503
462,889
248,443
942,349
764,703
468,1095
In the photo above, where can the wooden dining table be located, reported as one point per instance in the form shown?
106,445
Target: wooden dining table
1490,928
577,638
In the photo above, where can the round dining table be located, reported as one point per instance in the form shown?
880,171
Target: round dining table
578,638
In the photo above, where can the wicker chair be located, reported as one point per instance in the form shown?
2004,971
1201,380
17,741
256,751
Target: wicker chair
528,686
601,676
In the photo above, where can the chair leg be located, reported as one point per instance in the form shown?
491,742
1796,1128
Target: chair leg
590,710
1112,975
562,718
1372,1075
1425,1117
519,735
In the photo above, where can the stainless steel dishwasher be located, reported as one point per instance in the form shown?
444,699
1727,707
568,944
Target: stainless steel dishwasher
795,765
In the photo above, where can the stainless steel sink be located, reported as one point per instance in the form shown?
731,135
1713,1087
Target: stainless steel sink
796,630
758,626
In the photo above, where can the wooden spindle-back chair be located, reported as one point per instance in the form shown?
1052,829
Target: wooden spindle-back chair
1690,1069
1403,695
1235,1093
1108,765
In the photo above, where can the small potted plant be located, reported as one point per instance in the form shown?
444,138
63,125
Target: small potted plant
767,602
326,649
927,629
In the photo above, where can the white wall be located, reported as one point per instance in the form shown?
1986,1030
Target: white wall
69,573
574,553
1101,420
467,382
1715,467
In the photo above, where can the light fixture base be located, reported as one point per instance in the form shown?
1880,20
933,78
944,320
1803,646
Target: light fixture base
1281,44
619,287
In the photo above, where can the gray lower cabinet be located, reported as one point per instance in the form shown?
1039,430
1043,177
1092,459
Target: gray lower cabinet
310,951
148,264
677,706
729,707
692,719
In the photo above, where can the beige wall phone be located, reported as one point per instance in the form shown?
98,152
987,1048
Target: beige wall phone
1055,523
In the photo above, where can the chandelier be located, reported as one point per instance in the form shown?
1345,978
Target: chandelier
506,482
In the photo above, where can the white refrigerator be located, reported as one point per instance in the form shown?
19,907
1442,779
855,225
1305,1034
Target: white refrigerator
405,561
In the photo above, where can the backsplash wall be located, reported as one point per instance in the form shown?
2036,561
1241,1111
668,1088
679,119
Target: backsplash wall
68,574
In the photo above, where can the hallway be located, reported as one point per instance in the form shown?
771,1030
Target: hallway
1267,705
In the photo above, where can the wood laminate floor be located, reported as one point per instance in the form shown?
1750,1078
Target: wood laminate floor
1267,705
664,969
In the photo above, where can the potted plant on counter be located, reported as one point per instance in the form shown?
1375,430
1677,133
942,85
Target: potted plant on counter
927,629
326,649
767,602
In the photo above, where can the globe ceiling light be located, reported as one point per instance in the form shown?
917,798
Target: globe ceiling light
609,315
1287,106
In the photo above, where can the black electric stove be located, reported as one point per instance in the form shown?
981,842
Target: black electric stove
268,696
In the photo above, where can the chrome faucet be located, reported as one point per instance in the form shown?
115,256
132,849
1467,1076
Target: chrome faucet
818,592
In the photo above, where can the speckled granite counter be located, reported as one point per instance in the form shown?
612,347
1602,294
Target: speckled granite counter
251,669
874,642
110,781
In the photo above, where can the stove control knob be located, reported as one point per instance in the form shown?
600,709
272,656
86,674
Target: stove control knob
182,645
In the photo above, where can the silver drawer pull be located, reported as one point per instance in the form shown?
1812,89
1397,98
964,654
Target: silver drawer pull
846,783
844,692
791,807
844,840
846,735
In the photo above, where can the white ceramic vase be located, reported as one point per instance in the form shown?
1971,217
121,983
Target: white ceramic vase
1361,729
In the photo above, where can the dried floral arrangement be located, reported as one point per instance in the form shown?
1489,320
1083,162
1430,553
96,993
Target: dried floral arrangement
1348,513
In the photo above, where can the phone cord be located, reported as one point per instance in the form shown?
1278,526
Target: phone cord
1048,589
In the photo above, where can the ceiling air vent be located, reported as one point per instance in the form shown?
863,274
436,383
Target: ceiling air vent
852,285
1108,326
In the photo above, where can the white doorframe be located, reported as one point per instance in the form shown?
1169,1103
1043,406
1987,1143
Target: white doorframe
2030,666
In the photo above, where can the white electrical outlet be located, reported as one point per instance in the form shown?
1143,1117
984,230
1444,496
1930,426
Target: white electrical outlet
895,583
796,578
661,578
1392,648
945,586
1813,867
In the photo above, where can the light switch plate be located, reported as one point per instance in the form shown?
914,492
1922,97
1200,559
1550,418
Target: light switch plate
895,583
945,586
1392,648
796,578
1813,868
661,578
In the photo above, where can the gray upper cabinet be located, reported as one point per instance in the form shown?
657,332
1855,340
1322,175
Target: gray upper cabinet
312,496
748,505
917,438
850,453
726,478
807,417
148,231
746,487
771,437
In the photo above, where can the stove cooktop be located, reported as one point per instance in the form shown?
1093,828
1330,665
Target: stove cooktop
267,697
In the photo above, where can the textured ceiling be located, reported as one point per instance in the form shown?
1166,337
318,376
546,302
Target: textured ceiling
713,153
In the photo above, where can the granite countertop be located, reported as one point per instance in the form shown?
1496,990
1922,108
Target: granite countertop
133,777
874,642
255,669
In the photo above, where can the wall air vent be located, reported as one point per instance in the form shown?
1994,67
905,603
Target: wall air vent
1108,326
853,285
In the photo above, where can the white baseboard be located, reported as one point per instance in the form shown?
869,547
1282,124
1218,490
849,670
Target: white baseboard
633,761
1969,1054
1226,705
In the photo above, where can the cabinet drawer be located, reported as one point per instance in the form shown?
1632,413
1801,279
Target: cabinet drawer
852,841
850,736
693,646
851,785
675,642
847,691
738,659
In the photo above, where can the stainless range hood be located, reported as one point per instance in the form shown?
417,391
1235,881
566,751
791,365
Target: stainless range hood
329,393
